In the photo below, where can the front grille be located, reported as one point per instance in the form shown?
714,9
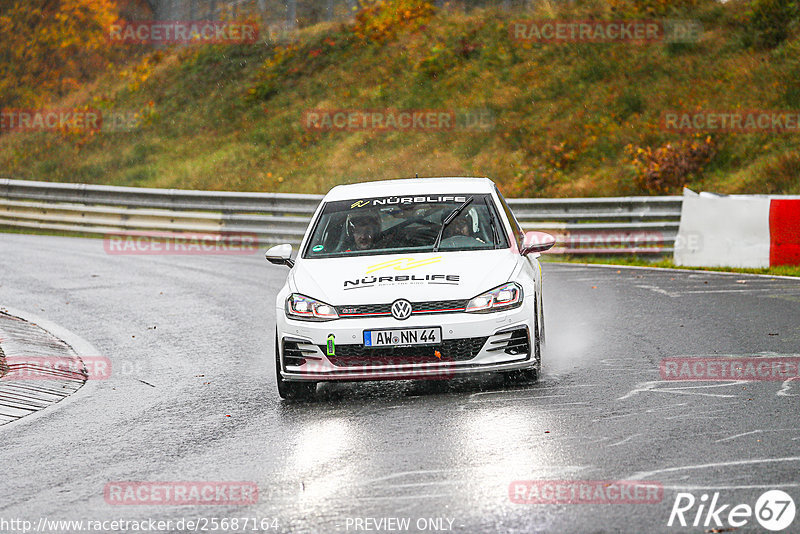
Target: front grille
417,308
517,343
450,350
364,309
438,306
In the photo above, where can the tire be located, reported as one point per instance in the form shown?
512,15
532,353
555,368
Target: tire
523,376
291,390
526,376
542,336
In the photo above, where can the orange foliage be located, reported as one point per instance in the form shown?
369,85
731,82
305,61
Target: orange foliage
666,169
50,47
638,8
382,20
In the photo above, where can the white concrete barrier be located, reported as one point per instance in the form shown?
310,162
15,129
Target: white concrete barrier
745,231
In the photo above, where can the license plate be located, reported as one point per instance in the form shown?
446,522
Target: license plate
402,336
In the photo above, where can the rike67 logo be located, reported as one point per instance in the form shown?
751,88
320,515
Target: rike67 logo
774,510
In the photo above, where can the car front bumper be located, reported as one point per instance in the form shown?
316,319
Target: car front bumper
471,343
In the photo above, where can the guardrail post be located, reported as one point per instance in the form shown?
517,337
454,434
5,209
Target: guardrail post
291,13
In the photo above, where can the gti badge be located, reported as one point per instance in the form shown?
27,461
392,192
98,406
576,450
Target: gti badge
401,309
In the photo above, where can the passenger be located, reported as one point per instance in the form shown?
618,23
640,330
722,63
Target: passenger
458,226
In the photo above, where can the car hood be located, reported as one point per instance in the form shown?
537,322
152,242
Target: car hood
415,277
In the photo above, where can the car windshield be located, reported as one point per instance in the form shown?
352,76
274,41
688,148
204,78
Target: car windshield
393,225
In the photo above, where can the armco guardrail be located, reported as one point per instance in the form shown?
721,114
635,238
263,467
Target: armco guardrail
611,225
623,225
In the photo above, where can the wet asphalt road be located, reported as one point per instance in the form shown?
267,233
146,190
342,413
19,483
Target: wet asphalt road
192,398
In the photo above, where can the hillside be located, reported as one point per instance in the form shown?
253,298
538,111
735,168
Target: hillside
542,119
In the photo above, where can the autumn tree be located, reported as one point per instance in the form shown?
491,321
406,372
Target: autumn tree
49,47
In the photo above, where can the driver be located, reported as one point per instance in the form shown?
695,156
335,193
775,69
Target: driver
365,230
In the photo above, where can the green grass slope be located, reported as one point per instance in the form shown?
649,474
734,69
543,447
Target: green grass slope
568,119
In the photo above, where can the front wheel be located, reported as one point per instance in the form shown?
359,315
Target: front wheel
525,376
291,390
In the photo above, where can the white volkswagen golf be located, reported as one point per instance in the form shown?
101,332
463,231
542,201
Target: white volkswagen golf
409,279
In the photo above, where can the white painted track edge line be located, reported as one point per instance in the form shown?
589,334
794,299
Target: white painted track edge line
670,269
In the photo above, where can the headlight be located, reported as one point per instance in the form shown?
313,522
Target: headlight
500,298
307,309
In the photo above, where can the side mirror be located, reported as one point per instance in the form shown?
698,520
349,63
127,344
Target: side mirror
280,255
536,242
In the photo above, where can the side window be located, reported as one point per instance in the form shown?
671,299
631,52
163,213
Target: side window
515,227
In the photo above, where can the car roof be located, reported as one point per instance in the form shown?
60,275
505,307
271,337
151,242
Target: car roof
411,186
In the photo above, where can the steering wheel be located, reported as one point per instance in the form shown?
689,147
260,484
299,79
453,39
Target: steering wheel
394,230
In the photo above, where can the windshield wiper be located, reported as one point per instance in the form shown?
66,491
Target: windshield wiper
448,220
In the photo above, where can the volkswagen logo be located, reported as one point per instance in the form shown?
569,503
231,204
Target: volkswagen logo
401,309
